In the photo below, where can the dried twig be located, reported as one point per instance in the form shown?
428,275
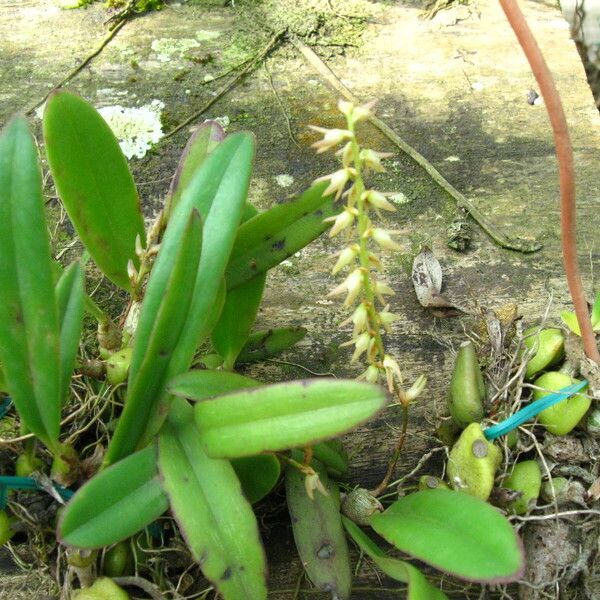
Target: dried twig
261,55
107,39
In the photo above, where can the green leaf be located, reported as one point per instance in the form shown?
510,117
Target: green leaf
418,586
115,504
239,313
270,237
29,331
318,532
160,327
285,415
595,316
215,519
331,453
454,532
264,344
70,294
94,183
201,384
257,474
219,189
570,320
204,140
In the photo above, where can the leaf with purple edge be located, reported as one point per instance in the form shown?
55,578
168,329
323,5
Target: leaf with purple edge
204,140
454,532
285,415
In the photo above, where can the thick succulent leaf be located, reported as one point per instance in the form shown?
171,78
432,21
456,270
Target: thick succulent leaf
215,519
115,504
257,474
201,384
70,294
29,331
418,586
270,237
264,344
94,183
285,415
239,313
318,532
155,341
204,140
219,189
454,532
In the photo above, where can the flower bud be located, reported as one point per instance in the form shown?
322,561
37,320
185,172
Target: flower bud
132,272
346,154
359,505
372,374
139,249
381,290
387,318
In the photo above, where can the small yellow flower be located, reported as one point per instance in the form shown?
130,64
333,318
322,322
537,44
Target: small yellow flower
312,483
372,159
352,286
331,138
347,256
381,290
382,237
392,371
417,388
347,154
377,200
387,318
341,221
363,341
356,113
371,375
337,181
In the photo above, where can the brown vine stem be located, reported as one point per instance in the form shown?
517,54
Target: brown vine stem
564,154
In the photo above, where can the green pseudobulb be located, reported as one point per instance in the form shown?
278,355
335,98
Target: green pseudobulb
562,417
473,462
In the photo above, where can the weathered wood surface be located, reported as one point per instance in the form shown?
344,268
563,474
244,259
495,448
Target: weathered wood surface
454,88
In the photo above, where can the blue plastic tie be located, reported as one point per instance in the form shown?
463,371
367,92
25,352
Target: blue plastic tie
5,405
532,410
10,482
